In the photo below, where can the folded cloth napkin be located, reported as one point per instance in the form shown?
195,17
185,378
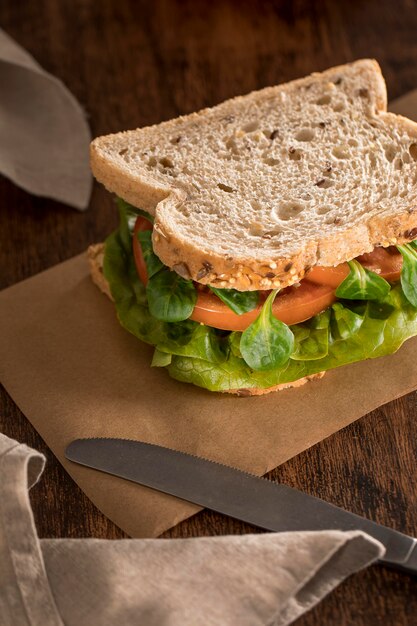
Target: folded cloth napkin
251,580
44,136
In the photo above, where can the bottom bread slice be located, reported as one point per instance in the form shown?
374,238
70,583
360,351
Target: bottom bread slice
95,254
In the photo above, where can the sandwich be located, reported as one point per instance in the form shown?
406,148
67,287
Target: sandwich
269,239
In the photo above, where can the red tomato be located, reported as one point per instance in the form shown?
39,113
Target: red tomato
387,262
331,276
293,305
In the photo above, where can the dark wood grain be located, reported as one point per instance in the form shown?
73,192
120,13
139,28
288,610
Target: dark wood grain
137,63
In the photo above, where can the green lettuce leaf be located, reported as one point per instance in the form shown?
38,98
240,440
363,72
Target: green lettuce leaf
152,262
349,331
267,343
133,211
238,301
409,271
161,359
170,297
377,335
312,338
362,284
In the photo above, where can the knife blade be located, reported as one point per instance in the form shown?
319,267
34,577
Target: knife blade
258,501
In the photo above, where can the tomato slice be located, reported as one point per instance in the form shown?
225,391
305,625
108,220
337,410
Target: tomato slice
293,305
331,276
387,262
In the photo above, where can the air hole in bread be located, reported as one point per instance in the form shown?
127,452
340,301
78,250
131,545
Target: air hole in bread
294,154
231,145
249,128
257,206
270,161
269,234
165,162
323,183
175,140
289,210
256,229
333,219
225,188
338,106
390,152
413,151
323,210
340,152
305,134
353,142
152,161
122,152
398,163
323,100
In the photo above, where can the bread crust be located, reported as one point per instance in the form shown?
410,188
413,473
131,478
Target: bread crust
244,275
95,255
261,392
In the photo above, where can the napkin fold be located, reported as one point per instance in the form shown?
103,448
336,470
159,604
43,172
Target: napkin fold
251,580
44,135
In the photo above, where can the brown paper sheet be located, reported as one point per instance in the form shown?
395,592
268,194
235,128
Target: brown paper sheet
75,372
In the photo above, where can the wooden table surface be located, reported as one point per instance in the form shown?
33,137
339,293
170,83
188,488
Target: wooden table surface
136,63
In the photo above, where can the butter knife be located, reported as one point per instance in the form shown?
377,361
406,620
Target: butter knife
272,506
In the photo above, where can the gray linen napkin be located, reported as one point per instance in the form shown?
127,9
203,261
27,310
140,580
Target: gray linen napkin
44,136
250,580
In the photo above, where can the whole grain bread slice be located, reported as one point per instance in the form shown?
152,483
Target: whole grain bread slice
95,254
252,193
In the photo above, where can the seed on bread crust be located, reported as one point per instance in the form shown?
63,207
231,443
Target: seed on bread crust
410,234
183,270
206,269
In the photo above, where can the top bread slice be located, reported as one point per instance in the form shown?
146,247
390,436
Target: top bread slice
253,192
